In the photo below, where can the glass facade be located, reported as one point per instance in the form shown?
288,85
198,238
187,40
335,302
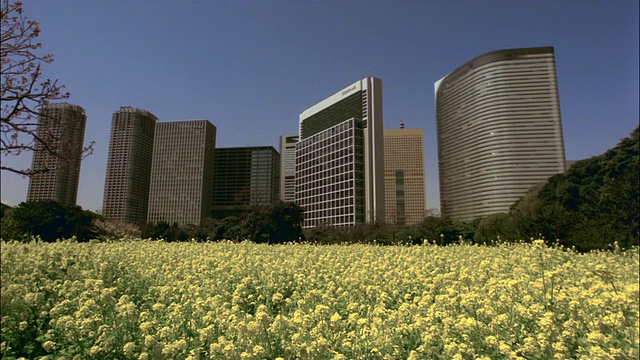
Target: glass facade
339,177
244,177
330,175
499,131
182,172
350,107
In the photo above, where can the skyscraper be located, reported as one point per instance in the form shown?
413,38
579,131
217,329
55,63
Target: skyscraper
340,157
182,172
404,191
288,167
63,125
126,187
499,130
245,177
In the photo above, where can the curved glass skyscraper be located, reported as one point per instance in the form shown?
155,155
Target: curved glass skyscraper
499,130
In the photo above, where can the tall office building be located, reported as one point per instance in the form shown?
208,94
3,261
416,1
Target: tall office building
340,157
182,172
126,187
499,130
244,177
404,192
63,125
288,167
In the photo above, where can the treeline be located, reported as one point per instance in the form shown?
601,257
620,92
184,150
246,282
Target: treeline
593,205
275,224
51,221
47,219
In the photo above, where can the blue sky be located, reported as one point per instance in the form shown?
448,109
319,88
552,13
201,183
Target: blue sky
251,67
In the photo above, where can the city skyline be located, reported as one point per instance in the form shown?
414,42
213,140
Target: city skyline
192,60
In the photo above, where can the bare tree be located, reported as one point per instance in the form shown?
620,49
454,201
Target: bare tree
24,93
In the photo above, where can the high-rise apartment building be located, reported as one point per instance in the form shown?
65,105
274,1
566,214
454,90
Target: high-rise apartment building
63,126
244,177
182,172
288,167
126,187
499,130
404,186
340,157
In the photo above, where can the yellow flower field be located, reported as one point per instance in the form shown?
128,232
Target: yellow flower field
155,300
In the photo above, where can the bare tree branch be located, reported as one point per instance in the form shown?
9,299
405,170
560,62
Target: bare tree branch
24,95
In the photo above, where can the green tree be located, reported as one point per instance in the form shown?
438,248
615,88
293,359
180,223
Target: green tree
496,227
207,229
8,228
591,206
158,230
284,222
51,221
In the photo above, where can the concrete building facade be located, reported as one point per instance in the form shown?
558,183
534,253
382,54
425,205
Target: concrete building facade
288,167
499,130
182,172
404,182
57,177
340,157
126,188
245,177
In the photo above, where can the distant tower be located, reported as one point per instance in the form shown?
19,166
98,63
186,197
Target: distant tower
288,167
499,131
126,187
340,157
404,186
244,177
65,123
182,172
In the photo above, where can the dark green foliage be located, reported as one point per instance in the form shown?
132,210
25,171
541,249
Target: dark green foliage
8,230
154,231
595,203
50,220
162,230
591,206
284,222
207,228
326,234
432,229
495,228
4,209
274,224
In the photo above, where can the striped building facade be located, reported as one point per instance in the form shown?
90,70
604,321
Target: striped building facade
499,130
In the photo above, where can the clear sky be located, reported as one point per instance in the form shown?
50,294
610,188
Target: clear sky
251,67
